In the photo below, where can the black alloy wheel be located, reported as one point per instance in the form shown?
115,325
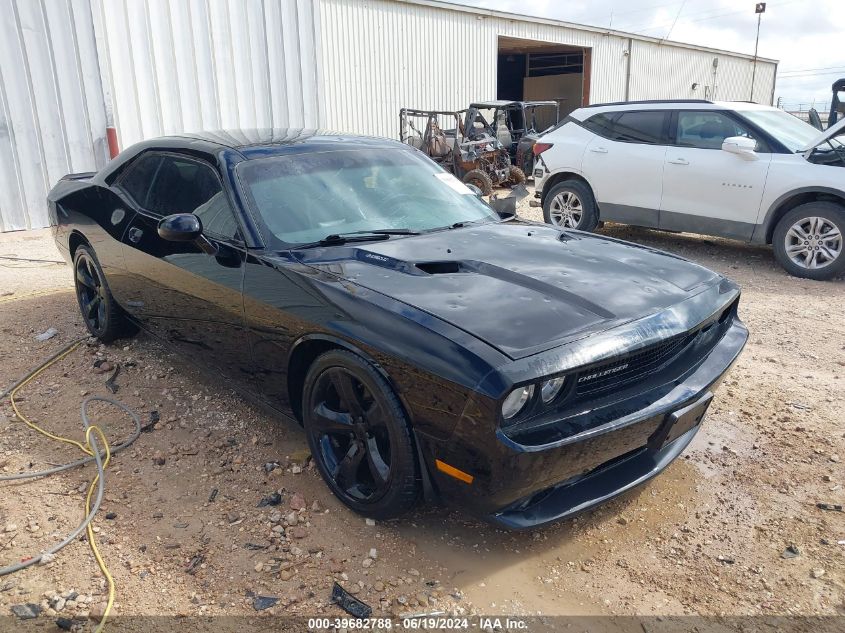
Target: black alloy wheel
359,436
102,316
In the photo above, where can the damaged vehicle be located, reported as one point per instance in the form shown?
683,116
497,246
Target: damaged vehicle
430,347
517,125
469,150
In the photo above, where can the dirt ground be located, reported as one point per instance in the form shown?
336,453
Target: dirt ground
182,533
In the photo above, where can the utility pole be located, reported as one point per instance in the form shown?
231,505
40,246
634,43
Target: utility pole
759,9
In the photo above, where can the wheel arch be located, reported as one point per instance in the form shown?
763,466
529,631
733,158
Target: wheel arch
560,176
305,351
74,241
789,201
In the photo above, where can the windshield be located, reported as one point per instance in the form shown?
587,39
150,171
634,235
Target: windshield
304,198
794,133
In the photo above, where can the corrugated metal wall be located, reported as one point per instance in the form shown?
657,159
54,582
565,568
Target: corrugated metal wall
660,71
182,65
52,117
380,55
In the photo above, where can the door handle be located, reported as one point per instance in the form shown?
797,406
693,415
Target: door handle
135,235
599,150
679,161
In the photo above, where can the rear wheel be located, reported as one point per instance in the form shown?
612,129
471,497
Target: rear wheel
570,204
480,179
359,436
808,240
101,314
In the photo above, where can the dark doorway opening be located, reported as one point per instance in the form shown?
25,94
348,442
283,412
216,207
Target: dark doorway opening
529,70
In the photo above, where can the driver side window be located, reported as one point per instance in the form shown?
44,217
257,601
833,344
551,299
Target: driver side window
184,185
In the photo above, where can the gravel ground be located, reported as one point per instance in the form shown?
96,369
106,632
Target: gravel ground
181,530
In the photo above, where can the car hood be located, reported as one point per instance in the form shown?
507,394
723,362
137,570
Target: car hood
521,288
824,136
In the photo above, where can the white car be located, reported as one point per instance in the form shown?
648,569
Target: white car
736,170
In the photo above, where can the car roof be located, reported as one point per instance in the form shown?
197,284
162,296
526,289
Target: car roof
255,142
667,104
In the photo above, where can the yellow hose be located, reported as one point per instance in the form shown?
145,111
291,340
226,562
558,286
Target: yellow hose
89,449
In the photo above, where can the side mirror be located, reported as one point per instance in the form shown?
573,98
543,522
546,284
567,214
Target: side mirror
180,227
740,145
474,189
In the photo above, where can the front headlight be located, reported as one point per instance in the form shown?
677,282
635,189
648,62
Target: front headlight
550,389
516,401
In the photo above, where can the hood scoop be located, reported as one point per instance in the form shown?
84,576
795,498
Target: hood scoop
442,268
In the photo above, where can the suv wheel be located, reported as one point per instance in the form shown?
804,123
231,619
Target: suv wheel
808,240
570,205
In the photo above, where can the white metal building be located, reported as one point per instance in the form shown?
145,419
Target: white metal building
69,68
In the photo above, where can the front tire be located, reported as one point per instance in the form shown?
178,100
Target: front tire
102,316
359,436
480,179
808,240
571,205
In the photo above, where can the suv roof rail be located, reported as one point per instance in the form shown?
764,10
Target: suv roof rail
647,102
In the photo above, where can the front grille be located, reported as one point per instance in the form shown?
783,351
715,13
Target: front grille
617,373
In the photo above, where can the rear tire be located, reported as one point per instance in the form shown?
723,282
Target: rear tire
808,240
516,176
571,205
359,436
480,179
103,318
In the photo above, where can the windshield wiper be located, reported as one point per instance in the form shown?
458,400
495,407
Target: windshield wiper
358,236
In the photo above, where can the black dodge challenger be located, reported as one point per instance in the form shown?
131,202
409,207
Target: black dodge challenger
428,345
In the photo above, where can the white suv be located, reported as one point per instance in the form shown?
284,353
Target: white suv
736,170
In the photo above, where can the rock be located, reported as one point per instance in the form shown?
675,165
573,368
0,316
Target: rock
378,586
97,611
300,458
297,532
59,604
159,459
232,517
11,527
316,507
276,517
622,520
367,562
370,522
111,516
818,572
373,553
292,518
279,529
259,567
834,458
297,502
422,599
26,611
47,335
791,552
296,469
286,574
335,566
270,500
259,603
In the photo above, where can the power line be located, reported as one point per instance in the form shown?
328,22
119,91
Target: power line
803,70
677,15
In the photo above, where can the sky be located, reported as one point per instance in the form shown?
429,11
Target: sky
804,35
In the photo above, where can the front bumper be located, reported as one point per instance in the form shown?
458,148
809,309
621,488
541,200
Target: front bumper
521,486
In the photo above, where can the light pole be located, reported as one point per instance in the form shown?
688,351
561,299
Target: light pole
759,9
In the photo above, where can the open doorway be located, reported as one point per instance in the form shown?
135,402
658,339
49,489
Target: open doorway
530,70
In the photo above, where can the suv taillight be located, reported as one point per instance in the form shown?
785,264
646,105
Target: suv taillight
539,148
